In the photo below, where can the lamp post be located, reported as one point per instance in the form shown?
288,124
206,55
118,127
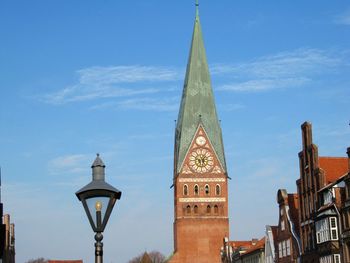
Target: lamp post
98,198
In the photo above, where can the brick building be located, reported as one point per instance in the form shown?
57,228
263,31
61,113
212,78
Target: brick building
200,176
345,215
287,237
315,173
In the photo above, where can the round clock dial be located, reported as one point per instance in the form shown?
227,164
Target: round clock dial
201,160
201,140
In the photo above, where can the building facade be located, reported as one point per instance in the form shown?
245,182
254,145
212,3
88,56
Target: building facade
200,176
345,215
315,174
288,237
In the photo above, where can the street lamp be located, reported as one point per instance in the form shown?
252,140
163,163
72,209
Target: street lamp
98,198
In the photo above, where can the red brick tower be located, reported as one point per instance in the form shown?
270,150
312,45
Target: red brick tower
200,177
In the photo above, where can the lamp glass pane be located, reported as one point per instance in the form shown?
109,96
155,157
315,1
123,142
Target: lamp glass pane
95,203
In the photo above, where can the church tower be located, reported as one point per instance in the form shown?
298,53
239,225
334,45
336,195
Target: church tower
200,176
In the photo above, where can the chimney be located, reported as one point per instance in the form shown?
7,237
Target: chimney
254,241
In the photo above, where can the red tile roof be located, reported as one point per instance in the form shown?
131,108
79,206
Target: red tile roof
239,244
334,167
259,245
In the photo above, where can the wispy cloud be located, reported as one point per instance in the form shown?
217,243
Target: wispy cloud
110,82
343,19
263,84
68,164
142,104
282,70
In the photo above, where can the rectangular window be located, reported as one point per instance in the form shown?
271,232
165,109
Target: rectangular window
288,247
326,229
280,250
336,258
284,248
282,225
333,228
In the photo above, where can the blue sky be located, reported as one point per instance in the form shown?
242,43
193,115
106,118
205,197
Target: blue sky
81,77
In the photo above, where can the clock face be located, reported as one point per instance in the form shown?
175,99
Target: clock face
201,140
201,160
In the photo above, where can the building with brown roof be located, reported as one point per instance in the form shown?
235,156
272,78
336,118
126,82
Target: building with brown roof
288,235
315,173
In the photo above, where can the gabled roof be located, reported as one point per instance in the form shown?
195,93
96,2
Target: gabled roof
197,103
334,167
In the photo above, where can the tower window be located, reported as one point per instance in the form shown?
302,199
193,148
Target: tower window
188,209
196,209
207,189
216,209
196,189
185,189
217,190
208,209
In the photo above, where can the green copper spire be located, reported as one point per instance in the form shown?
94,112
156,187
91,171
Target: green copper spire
197,103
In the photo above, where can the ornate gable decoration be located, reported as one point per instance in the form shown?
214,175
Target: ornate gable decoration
201,157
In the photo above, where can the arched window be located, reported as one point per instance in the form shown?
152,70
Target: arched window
196,189
217,190
207,189
216,209
185,189
188,209
208,209
196,209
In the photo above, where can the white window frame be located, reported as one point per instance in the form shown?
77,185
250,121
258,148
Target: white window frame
326,229
336,258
